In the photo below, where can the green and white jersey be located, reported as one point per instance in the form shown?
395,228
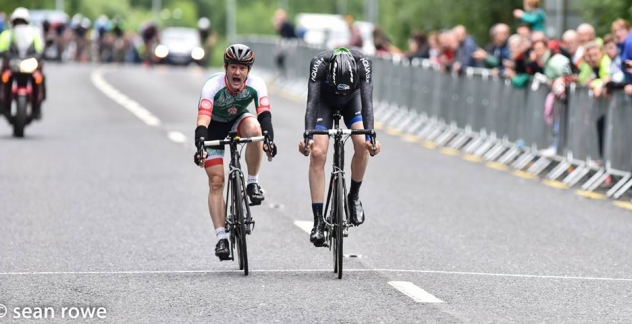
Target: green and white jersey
222,105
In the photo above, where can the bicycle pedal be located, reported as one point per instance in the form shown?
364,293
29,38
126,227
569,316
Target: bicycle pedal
345,232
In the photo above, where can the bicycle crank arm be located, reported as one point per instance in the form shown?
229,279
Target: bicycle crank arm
252,222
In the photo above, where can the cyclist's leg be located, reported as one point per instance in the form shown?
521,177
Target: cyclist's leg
353,119
360,160
318,159
214,166
248,126
216,204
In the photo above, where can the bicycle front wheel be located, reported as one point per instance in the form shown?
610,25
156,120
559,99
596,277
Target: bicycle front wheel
339,224
242,249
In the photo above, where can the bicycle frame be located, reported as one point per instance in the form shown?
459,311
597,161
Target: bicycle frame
337,222
237,201
337,173
234,172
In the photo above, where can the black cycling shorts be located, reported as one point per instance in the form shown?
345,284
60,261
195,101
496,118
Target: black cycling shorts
350,108
219,131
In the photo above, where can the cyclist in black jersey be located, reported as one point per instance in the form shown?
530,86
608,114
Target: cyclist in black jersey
340,80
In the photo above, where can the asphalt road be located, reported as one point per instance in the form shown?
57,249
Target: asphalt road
102,208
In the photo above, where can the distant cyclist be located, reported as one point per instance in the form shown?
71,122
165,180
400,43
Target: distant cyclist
223,107
339,79
149,33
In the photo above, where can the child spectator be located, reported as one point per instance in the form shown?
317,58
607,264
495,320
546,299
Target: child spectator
435,46
532,15
616,74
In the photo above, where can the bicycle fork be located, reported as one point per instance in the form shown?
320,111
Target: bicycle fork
328,218
243,197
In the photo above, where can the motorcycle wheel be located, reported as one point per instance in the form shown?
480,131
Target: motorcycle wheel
19,120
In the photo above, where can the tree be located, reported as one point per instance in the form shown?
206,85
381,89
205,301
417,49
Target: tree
399,17
601,13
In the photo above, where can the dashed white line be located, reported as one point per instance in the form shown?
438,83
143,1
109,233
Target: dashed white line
305,225
132,106
413,291
177,137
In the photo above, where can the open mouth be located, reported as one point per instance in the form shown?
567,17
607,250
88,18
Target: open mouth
236,81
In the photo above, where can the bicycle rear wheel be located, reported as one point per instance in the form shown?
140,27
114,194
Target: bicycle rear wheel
338,224
240,226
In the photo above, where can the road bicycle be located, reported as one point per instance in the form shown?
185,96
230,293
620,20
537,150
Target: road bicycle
336,212
239,222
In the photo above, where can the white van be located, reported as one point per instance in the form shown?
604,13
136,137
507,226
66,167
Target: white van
323,30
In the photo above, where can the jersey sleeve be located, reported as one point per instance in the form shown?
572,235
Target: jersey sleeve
210,89
262,101
317,68
365,66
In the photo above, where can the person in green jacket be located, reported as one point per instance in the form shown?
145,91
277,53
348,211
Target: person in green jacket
599,64
22,33
532,15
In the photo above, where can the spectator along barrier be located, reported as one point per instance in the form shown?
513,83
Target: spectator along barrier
578,140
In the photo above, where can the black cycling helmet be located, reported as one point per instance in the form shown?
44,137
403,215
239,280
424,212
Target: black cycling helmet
239,54
343,71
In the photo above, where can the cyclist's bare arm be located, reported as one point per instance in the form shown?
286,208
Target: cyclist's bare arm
203,121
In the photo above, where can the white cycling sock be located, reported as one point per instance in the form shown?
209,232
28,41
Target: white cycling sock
220,233
253,179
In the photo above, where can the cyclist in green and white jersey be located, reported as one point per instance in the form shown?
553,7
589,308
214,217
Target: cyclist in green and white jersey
223,107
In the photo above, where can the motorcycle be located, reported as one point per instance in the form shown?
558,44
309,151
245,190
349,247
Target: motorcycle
20,77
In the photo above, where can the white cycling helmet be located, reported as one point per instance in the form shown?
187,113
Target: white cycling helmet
20,13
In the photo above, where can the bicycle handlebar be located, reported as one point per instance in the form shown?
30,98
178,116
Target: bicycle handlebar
339,131
237,140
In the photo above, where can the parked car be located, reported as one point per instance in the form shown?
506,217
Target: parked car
180,46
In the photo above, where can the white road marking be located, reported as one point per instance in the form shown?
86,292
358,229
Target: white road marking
358,256
132,106
305,225
417,294
315,270
177,137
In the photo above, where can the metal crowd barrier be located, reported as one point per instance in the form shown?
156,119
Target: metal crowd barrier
487,117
